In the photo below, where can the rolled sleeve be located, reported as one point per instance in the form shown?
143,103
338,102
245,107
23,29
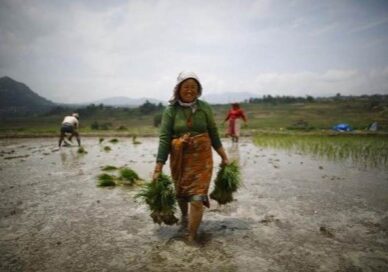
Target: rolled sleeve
212,129
165,135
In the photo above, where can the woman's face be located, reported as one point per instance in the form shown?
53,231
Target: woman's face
188,90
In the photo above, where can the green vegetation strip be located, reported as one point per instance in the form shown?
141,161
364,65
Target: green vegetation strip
368,150
160,198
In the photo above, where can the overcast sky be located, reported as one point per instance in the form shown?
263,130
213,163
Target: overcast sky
80,51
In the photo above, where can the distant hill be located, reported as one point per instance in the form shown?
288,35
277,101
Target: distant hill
123,101
17,98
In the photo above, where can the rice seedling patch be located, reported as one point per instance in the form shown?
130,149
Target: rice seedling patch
109,168
81,150
105,180
360,149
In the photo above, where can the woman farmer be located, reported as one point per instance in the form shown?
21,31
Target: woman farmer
234,123
187,134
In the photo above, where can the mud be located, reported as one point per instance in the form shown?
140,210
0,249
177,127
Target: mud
293,213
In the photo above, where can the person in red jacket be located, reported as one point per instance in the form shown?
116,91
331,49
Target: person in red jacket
234,116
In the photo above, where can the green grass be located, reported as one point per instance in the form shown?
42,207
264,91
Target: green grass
367,150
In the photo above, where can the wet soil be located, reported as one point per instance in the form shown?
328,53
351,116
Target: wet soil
293,213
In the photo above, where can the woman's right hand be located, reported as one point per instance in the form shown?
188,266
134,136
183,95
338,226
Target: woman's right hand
225,161
155,176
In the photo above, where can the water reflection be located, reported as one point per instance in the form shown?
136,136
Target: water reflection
234,152
69,158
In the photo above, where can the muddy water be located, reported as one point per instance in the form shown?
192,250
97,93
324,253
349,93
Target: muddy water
293,213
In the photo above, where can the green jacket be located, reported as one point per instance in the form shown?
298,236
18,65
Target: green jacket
174,124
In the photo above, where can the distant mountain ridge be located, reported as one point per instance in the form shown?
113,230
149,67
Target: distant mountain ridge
123,101
16,97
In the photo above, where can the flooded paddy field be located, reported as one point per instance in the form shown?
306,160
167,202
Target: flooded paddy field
294,212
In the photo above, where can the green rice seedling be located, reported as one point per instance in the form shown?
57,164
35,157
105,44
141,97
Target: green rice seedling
114,141
100,140
81,150
160,198
109,168
105,180
134,141
360,149
128,176
227,182
107,148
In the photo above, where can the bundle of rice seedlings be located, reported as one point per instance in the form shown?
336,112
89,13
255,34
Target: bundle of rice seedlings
160,198
134,141
101,140
114,141
128,175
106,180
227,182
108,168
82,150
107,148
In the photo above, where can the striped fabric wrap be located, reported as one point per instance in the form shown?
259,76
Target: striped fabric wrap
191,166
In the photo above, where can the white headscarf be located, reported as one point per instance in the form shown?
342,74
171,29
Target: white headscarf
182,77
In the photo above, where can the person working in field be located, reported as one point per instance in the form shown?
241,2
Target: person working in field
188,133
70,125
234,114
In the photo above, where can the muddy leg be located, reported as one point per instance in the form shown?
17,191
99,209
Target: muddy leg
61,137
184,207
78,138
195,218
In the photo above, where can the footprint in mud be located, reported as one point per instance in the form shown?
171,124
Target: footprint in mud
16,157
332,177
373,227
202,239
269,219
326,232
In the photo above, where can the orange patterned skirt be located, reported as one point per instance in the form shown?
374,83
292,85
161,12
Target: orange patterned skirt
191,166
